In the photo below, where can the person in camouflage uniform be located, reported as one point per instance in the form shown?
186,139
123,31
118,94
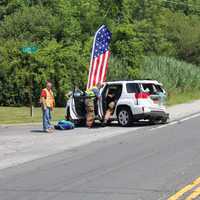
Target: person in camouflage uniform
91,95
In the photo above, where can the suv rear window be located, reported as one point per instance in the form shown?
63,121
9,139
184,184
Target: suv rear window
132,88
152,88
159,88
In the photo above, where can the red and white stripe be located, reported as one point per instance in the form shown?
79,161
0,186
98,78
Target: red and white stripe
98,69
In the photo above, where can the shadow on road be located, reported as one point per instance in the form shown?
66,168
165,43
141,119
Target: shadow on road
98,125
37,131
135,124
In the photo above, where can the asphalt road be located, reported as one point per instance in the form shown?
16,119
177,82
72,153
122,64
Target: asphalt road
152,163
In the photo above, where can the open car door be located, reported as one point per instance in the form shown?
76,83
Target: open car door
77,105
116,89
101,103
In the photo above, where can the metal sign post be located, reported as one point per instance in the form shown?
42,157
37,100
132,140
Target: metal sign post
30,50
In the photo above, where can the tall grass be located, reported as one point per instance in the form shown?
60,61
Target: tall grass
176,76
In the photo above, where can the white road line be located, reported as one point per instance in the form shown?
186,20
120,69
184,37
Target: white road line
176,122
190,117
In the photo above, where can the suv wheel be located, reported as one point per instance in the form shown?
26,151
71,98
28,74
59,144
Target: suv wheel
124,117
164,120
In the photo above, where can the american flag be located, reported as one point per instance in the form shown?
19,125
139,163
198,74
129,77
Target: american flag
99,57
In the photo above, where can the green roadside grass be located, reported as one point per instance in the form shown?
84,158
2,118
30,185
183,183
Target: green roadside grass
16,115
182,97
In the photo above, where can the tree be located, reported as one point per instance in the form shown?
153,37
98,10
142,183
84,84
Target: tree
184,32
63,31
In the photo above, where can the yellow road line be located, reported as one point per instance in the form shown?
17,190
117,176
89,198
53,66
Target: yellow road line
194,194
184,190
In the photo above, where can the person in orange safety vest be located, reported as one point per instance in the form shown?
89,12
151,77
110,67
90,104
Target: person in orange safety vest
48,103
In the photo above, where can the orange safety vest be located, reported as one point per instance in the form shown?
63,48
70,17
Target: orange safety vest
50,101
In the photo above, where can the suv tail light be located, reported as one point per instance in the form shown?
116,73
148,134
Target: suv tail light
142,95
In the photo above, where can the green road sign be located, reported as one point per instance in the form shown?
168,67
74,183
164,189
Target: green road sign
29,49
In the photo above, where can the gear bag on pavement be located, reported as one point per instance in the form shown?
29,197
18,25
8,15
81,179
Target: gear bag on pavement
64,125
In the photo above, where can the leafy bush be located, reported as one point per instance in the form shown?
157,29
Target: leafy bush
63,32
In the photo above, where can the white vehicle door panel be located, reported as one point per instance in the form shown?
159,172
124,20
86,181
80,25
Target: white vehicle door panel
100,102
73,109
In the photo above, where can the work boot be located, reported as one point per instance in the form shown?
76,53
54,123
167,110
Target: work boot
105,122
48,130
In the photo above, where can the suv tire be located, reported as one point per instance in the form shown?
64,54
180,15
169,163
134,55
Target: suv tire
124,116
164,120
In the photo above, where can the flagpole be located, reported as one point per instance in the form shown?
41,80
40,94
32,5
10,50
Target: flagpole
92,54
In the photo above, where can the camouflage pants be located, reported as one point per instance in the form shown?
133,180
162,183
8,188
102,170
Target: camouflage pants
90,112
109,111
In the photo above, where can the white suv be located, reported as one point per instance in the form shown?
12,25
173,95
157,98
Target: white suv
135,100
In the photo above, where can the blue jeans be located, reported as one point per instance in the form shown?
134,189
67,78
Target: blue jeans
46,118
